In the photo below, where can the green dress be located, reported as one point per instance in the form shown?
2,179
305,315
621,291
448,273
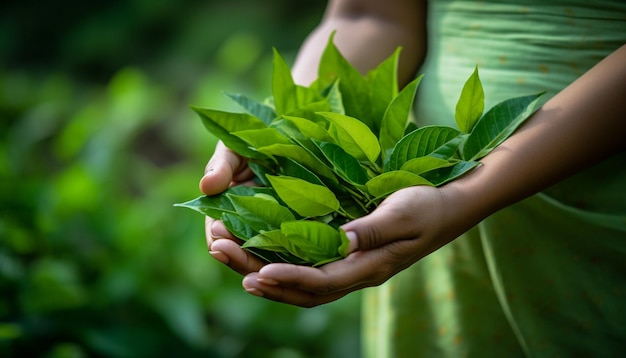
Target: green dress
545,277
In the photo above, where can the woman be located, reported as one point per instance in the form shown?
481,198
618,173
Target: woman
525,255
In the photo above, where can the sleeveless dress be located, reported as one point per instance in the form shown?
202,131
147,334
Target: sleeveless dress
545,277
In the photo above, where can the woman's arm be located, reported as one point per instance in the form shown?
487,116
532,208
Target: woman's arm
367,32
577,128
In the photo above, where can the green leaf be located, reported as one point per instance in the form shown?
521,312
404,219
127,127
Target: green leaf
306,199
353,86
300,155
345,243
293,248
309,111
396,116
259,212
450,150
303,128
269,240
383,85
222,124
291,168
271,256
255,108
307,95
345,165
258,138
419,143
260,168
498,124
353,136
444,175
471,103
334,99
323,236
424,164
284,90
238,227
389,182
213,206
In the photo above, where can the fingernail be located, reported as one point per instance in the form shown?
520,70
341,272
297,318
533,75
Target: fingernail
254,291
201,183
219,256
354,241
267,281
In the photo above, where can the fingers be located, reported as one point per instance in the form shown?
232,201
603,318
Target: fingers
232,255
224,167
403,215
309,286
214,230
285,294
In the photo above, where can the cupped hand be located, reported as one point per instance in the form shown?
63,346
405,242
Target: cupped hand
225,169
407,226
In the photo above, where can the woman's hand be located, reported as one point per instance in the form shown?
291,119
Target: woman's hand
226,169
407,226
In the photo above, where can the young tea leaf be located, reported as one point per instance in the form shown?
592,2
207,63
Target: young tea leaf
222,124
306,199
301,155
284,89
326,238
260,110
334,99
294,245
396,117
303,128
213,206
238,227
310,110
389,182
260,213
352,84
291,168
272,240
273,256
424,164
353,136
307,95
422,142
498,124
345,165
446,174
383,85
258,138
471,103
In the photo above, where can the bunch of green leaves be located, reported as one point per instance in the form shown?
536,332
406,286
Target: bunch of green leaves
330,152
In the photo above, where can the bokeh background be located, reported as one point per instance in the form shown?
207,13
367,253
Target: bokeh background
97,142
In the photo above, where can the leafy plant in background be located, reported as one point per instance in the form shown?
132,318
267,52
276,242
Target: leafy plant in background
333,151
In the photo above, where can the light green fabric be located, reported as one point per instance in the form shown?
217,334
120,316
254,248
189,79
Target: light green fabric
545,277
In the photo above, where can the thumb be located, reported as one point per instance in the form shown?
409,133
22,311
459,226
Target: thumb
219,172
382,226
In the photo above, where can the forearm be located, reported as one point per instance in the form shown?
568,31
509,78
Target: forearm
577,128
367,32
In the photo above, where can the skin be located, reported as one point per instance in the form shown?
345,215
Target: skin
579,127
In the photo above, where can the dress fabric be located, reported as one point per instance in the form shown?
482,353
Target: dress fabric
545,277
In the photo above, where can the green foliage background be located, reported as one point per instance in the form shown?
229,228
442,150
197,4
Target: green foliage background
97,142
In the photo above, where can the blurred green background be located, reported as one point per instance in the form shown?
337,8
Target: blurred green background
97,142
